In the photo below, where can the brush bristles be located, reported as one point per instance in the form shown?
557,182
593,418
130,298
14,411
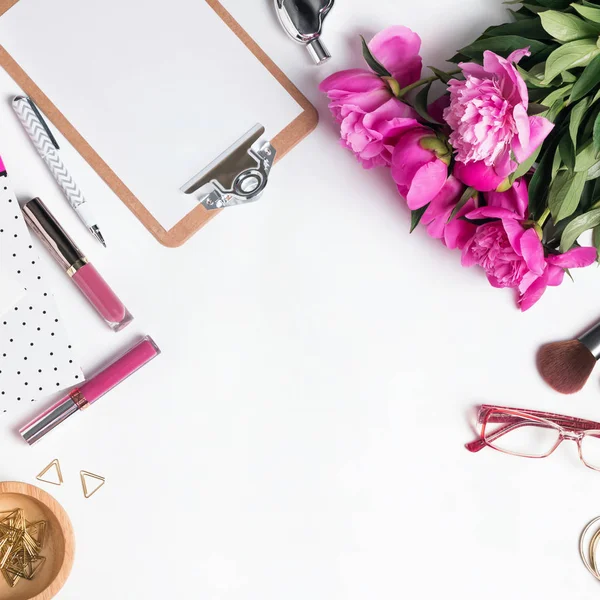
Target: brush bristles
565,366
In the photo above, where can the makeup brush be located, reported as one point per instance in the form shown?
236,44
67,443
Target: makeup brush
566,366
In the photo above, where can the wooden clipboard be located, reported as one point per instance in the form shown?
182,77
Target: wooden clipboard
283,142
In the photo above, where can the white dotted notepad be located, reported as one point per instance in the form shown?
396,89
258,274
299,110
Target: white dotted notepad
36,358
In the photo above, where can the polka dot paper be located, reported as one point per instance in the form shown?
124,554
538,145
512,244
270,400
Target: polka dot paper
36,358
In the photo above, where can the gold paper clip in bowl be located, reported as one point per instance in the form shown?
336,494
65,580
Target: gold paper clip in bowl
237,176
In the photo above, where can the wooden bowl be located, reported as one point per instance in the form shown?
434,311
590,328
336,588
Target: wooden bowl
59,544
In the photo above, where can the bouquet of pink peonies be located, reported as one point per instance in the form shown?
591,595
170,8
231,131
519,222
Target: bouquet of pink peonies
505,164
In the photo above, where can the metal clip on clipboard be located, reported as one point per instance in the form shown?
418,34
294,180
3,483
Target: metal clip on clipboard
237,176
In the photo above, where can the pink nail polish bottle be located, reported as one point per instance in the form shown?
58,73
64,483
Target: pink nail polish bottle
83,273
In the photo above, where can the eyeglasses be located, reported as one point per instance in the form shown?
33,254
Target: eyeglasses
535,434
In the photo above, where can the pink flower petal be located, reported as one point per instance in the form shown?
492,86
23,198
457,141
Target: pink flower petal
515,199
555,275
504,165
352,81
458,233
468,258
364,101
491,212
516,55
391,109
478,175
522,123
473,69
426,184
539,128
534,292
514,232
576,257
527,280
513,88
533,251
397,49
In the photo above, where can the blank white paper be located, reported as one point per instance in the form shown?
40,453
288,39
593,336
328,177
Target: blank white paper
176,89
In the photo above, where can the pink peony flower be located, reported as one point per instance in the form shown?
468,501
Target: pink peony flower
420,166
511,254
457,232
373,135
489,121
371,117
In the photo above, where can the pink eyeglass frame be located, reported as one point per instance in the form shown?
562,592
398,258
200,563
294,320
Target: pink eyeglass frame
569,428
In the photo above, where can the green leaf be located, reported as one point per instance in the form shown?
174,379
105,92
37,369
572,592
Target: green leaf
441,75
503,45
588,122
523,26
577,115
564,194
536,109
596,134
556,164
587,81
593,172
373,63
591,14
574,54
566,27
567,151
458,57
526,165
532,8
415,217
420,103
577,226
535,75
467,195
518,16
558,94
586,157
560,4
596,240
538,184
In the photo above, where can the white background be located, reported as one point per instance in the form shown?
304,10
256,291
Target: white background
301,436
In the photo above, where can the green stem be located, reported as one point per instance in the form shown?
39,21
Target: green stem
423,81
542,220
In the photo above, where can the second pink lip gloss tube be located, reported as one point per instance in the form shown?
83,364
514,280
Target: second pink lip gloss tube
83,273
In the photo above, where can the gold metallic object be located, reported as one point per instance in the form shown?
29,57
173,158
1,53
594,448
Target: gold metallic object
54,464
79,399
86,491
76,266
20,545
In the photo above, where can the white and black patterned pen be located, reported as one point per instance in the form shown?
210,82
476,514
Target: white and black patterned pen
47,147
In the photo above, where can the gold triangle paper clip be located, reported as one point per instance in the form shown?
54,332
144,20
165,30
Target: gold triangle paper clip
86,491
54,464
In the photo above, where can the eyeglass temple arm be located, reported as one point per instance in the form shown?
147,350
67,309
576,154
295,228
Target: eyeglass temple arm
513,421
493,415
480,444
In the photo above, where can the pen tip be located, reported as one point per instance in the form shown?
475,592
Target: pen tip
95,231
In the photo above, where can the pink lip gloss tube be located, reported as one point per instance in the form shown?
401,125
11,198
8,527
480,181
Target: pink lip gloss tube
93,389
83,273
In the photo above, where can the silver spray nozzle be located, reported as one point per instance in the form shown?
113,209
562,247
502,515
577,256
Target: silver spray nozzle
303,20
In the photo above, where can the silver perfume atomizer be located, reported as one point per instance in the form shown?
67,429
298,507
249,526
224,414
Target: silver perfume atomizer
303,20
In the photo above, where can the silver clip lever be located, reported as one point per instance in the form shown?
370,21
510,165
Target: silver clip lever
238,176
